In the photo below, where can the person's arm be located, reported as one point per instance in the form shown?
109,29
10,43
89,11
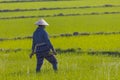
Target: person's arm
47,40
33,47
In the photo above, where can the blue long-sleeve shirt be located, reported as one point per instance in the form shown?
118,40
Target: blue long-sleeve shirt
41,36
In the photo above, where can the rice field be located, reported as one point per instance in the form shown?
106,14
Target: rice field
26,27
71,66
98,42
94,17
59,24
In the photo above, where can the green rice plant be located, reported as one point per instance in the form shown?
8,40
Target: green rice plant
86,43
58,25
72,66
56,4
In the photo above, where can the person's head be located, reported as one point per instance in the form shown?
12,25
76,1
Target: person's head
42,23
42,26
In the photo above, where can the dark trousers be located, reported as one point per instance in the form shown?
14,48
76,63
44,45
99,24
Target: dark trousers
48,57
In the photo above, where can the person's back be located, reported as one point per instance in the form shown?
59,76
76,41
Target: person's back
38,36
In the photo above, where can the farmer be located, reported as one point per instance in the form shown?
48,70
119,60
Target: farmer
42,46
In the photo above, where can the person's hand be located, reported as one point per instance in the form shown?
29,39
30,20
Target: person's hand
31,54
54,52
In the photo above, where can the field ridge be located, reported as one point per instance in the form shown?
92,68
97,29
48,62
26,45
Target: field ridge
62,14
58,8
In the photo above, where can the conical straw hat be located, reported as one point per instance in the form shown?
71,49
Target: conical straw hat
42,22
